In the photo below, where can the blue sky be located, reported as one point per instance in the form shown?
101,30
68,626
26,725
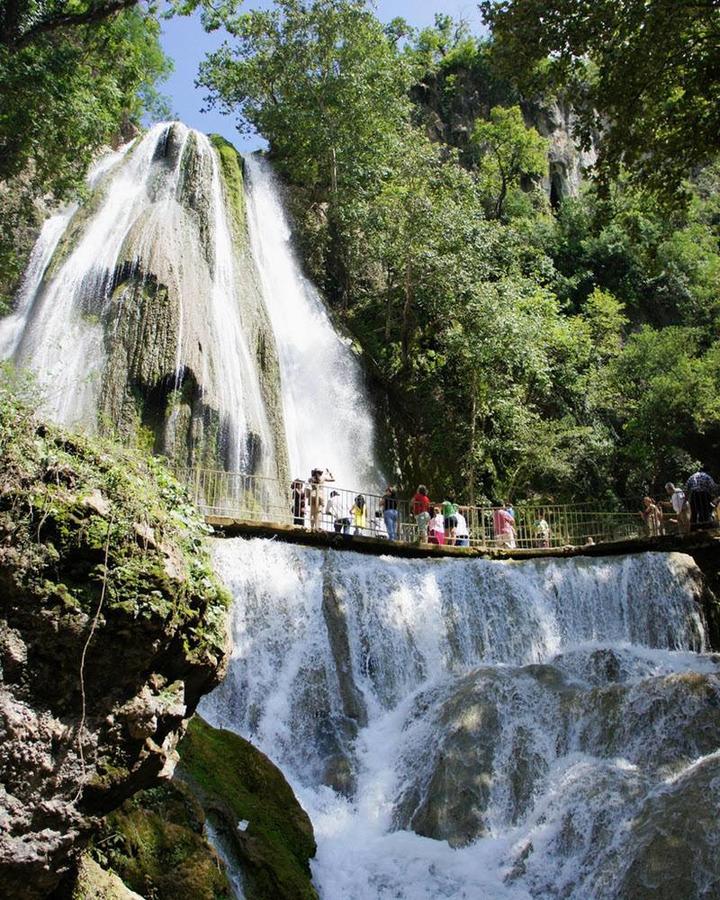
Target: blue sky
185,41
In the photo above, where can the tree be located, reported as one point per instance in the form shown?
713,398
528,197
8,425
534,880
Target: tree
644,73
508,151
322,81
665,391
67,93
22,22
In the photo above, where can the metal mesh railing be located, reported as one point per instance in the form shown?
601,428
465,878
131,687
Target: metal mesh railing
328,507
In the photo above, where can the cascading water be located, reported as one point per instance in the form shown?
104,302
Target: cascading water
473,729
138,294
327,413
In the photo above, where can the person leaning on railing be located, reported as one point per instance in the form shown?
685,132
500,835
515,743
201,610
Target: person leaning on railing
334,509
701,489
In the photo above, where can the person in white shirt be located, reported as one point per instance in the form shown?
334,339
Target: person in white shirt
462,534
679,503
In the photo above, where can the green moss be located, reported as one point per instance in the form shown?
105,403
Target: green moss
94,883
69,499
235,780
155,844
231,169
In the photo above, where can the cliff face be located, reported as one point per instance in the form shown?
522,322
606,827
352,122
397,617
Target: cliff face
112,626
454,97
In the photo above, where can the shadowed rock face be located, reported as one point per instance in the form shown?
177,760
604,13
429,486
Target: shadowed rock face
150,626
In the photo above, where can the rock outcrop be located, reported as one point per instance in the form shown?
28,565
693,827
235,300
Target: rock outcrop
266,834
112,626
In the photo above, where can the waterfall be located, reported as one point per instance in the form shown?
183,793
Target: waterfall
474,728
139,305
160,304
327,414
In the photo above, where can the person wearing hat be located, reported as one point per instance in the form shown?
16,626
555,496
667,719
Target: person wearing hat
316,495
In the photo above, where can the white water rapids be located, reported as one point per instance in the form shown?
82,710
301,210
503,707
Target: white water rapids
491,730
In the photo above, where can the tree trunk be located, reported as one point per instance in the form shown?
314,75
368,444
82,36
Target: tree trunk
473,436
333,171
407,310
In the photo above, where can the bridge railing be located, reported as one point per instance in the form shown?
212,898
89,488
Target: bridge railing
238,495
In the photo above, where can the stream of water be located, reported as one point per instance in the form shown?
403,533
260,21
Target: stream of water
473,729
327,412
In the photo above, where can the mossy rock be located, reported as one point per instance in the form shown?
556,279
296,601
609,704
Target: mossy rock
95,883
234,781
112,626
232,176
155,844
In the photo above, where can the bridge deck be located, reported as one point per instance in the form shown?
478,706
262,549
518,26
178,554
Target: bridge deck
706,541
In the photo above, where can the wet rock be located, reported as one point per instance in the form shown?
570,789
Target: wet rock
674,841
101,665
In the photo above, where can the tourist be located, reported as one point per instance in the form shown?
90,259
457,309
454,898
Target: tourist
504,526
378,525
652,517
341,521
357,513
700,489
462,534
421,501
298,501
680,506
436,528
449,511
423,519
315,495
390,511
542,531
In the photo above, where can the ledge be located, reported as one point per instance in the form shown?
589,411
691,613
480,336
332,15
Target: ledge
704,541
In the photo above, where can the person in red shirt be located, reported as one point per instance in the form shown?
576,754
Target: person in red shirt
421,501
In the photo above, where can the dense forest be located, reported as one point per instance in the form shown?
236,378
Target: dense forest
527,333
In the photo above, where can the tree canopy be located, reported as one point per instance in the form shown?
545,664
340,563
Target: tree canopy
514,349
644,74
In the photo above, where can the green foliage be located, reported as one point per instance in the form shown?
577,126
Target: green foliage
665,267
645,73
664,391
321,81
495,333
507,151
68,93
72,75
239,782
